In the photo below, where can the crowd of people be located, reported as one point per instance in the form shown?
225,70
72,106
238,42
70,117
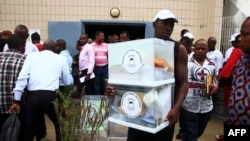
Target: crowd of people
194,96
32,72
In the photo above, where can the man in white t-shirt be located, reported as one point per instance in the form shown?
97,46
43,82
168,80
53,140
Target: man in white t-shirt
215,54
23,32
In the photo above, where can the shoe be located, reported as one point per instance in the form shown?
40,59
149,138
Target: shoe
179,136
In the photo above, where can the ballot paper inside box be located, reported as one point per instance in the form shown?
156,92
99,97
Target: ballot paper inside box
149,59
142,107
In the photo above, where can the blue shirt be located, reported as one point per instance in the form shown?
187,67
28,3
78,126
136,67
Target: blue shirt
67,56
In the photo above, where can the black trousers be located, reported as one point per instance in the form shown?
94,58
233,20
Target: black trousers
37,103
180,121
89,85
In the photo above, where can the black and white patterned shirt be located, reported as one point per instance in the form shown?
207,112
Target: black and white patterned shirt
197,100
11,63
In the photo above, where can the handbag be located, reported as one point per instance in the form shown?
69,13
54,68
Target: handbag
11,128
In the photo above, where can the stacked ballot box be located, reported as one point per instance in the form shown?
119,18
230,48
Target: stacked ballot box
142,72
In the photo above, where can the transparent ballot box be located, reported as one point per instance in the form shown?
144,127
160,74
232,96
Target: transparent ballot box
142,107
149,59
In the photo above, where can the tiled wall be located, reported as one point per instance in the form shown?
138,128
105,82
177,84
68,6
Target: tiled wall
201,17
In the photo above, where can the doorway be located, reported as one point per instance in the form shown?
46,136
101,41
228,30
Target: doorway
136,31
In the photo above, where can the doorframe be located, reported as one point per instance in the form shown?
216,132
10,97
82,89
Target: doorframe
149,31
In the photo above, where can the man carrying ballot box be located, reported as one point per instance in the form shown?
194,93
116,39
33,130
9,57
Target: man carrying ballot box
164,24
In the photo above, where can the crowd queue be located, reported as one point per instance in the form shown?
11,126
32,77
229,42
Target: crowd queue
32,72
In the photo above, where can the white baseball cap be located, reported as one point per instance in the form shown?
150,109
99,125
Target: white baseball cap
165,14
234,36
189,35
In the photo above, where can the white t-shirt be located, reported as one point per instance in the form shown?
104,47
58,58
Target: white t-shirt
197,100
29,48
228,53
217,57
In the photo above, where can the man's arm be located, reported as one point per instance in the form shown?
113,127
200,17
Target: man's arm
22,80
182,76
214,87
21,83
66,74
91,56
219,61
182,87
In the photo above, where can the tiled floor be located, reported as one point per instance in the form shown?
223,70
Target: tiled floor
215,126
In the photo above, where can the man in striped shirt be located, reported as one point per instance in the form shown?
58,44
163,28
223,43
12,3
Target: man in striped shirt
101,62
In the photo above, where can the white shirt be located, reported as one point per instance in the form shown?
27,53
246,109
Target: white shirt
41,71
190,55
197,100
29,48
228,53
217,57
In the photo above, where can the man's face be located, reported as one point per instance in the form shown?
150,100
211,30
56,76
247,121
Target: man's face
237,41
233,43
109,39
211,43
114,39
57,49
83,39
200,49
245,37
123,37
78,47
163,28
100,38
